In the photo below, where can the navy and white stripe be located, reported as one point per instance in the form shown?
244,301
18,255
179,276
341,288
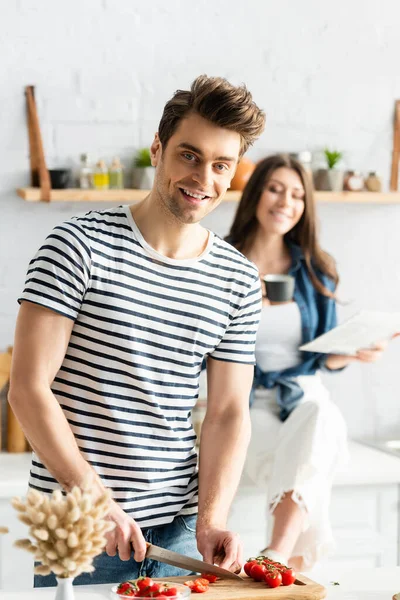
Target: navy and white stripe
142,326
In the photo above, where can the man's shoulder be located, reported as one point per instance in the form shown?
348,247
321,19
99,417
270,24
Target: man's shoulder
108,216
234,256
95,221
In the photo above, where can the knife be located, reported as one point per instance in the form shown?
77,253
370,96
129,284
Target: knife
185,562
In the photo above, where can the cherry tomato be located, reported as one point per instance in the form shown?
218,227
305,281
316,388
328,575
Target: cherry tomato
210,578
258,572
247,567
170,591
288,576
143,583
273,578
189,583
154,587
125,588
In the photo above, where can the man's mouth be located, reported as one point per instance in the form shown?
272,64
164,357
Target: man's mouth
193,197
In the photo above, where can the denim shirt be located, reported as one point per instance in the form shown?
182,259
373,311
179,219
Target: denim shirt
318,315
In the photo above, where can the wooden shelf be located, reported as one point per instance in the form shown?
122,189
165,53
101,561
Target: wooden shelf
31,194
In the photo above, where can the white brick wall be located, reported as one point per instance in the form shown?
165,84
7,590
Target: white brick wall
327,75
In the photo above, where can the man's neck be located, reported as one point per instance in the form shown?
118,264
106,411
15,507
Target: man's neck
166,234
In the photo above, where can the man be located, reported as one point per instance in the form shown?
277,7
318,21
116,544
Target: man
119,310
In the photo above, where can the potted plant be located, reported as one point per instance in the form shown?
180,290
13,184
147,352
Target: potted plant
330,179
143,171
335,175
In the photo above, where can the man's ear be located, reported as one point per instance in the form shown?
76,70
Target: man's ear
155,150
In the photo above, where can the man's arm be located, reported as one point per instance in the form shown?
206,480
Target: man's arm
41,341
225,436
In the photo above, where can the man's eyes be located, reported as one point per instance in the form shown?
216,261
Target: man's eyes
189,156
192,158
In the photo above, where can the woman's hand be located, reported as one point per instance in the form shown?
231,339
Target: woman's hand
370,355
365,355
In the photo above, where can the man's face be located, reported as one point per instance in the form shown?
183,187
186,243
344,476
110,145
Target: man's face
195,169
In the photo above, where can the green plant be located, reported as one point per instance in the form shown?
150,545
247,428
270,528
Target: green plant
332,157
142,158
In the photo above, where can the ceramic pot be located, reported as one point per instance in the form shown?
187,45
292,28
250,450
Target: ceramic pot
65,590
143,178
243,173
335,180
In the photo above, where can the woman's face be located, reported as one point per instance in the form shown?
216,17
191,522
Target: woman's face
282,202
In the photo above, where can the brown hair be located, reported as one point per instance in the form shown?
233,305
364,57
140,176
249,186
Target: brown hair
304,233
218,101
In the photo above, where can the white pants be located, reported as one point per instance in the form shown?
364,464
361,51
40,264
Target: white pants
302,455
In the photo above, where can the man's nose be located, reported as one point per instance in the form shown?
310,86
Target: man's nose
203,176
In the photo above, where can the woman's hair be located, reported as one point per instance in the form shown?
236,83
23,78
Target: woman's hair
218,101
304,233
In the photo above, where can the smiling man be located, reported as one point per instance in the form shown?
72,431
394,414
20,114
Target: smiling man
119,310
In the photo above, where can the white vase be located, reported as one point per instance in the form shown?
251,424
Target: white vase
143,178
65,590
335,179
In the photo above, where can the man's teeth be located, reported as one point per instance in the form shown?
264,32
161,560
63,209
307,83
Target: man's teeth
197,196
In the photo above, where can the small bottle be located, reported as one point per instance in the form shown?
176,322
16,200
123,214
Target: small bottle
101,178
373,183
116,175
353,182
85,174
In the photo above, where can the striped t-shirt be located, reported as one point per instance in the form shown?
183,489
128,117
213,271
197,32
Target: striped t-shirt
142,325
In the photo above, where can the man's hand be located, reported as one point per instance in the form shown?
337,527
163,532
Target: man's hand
221,547
126,536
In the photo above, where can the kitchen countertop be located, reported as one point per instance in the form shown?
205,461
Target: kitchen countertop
355,584
366,466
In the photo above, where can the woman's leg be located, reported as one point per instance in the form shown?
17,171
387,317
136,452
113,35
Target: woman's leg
288,524
309,445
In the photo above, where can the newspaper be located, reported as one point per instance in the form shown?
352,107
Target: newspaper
361,331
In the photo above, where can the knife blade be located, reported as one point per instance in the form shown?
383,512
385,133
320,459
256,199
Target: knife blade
188,563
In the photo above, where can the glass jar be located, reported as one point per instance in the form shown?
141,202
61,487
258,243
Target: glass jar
116,175
101,178
373,183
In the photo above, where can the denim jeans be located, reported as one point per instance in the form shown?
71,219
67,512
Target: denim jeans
179,536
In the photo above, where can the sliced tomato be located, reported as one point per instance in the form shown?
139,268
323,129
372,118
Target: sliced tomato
199,588
210,577
189,583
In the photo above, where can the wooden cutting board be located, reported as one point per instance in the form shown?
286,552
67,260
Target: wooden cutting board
229,589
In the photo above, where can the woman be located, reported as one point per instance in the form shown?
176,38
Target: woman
299,435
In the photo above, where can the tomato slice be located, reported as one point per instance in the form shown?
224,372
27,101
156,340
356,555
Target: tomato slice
210,577
199,588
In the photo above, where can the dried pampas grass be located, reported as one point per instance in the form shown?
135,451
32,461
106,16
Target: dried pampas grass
3,530
67,531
